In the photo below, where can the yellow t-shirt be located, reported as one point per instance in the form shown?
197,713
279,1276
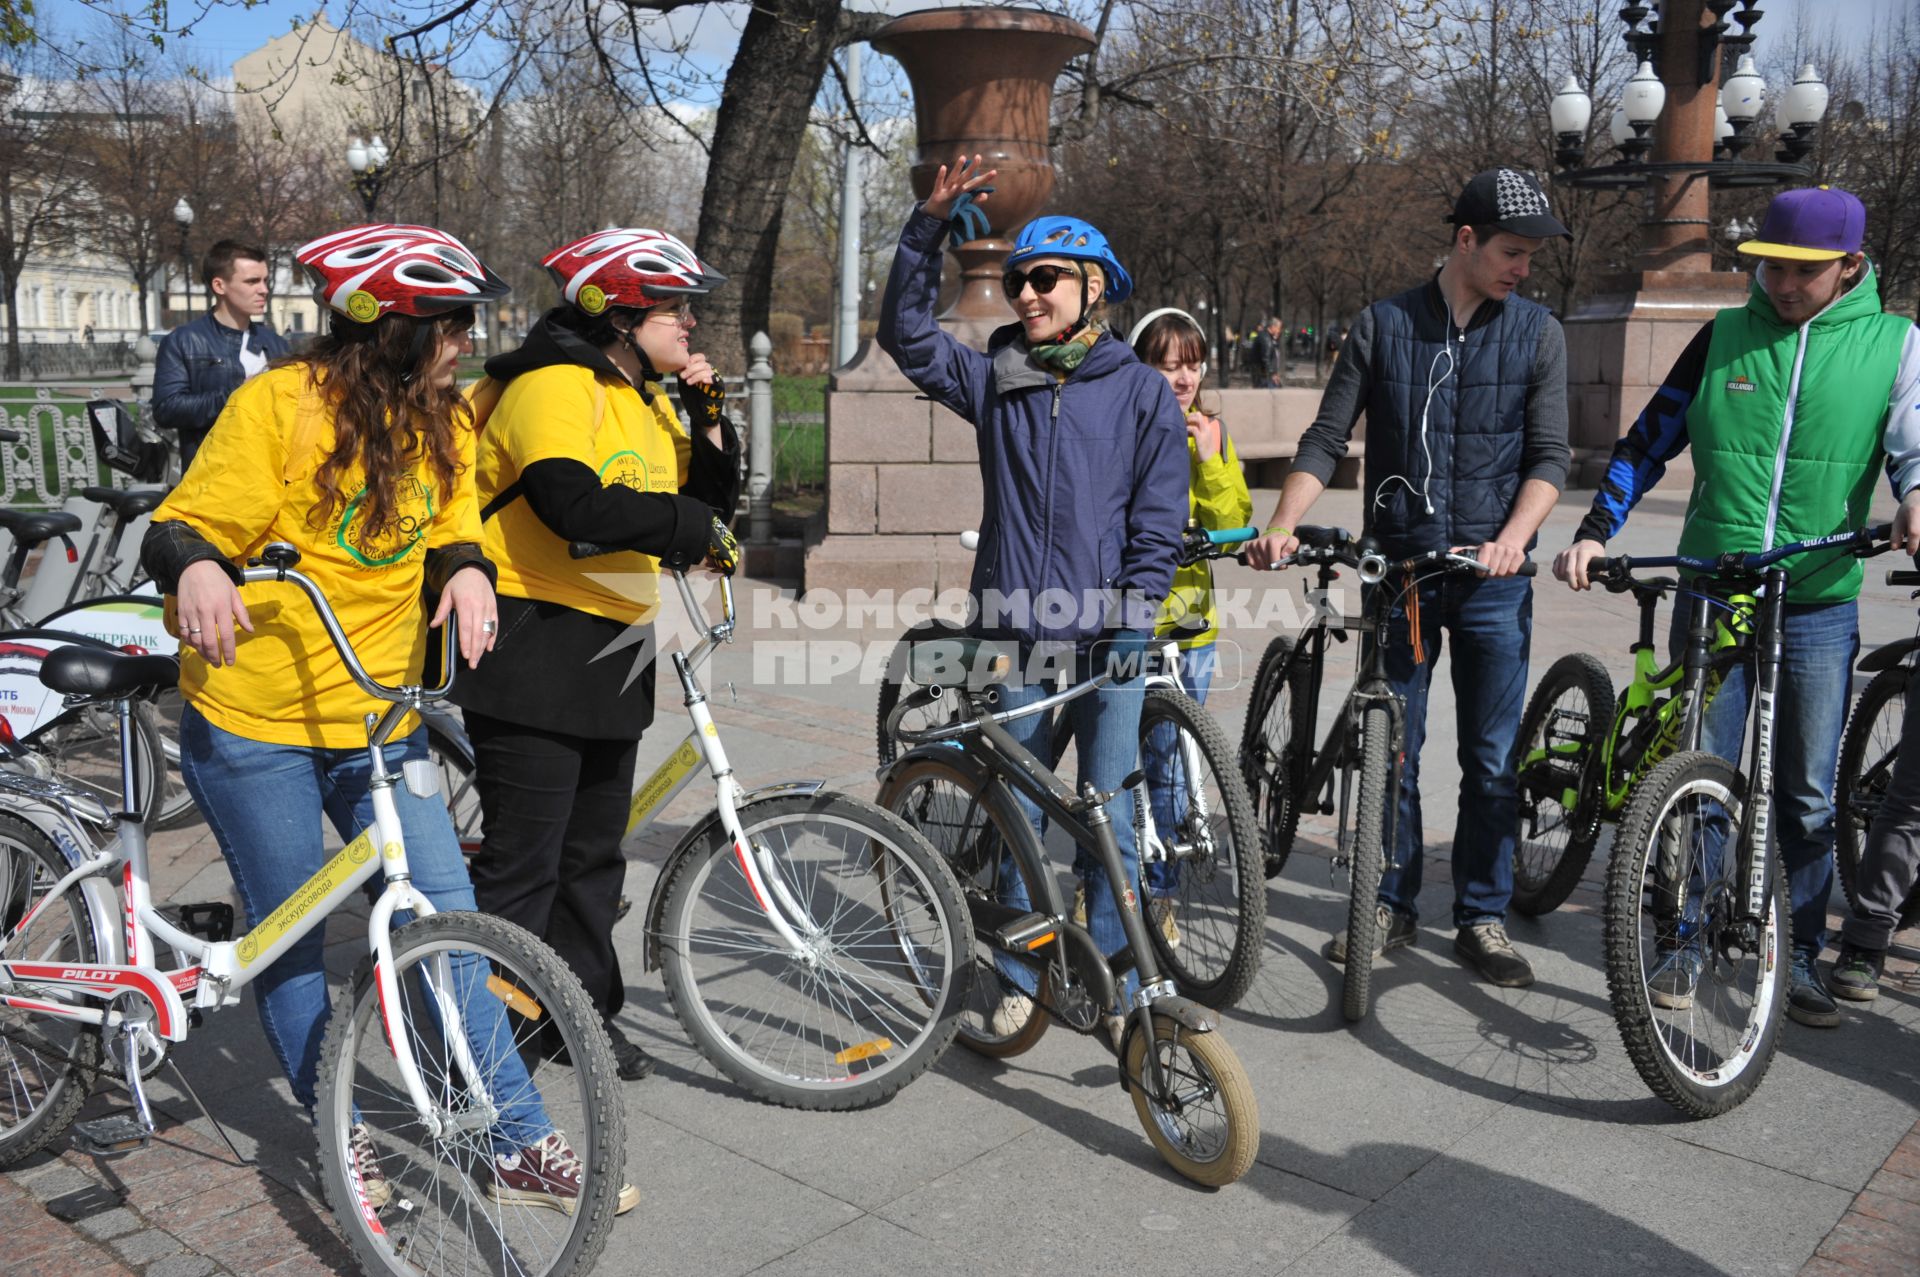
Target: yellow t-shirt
549,413
288,685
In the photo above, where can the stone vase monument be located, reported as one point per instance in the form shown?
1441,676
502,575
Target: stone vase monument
903,475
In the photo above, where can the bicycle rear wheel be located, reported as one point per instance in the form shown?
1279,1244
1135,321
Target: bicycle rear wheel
1556,757
875,997
1273,730
1366,863
1200,866
540,1065
1698,1009
83,747
947,801
457,783
47,1065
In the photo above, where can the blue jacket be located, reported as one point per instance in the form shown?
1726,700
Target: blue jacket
1457,418
197,368
1085,479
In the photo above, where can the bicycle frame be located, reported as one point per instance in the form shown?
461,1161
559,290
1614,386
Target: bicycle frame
214,972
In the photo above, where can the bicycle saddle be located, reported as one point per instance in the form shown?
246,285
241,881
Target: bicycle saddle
127,504
32,529
945,662
95,671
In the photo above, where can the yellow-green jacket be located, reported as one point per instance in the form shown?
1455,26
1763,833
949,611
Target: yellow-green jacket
1217,496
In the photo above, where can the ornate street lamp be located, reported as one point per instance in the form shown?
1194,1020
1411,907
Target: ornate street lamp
183,218
1740,105
368,160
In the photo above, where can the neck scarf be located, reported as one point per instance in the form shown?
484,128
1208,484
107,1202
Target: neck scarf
1063,357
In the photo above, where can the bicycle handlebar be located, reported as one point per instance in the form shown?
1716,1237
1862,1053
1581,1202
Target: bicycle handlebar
1864,544
590,549
276,563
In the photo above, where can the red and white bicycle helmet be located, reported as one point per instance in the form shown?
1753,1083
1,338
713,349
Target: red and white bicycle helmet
630,266
365,272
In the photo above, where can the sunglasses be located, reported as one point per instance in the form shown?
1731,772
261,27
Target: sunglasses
1043,278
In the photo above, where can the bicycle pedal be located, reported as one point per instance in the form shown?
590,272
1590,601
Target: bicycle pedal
114,1135
212,921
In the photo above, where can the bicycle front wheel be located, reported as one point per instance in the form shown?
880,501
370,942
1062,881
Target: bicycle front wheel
873,996
47,1065
1200,866
893,683
1207,1122
1562,793
457,783
1274,730
1696,994
530,1067
1366,863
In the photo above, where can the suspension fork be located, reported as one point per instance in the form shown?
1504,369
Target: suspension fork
1758,816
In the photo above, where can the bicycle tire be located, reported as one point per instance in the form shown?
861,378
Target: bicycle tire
43,1079
1653,849
1576,693
1272,728
1219,906
1212,1070
1366,864
542,1028
875,1003
1867,753
948,800
457,782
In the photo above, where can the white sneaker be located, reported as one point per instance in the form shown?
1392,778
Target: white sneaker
1117,1031
1011,1015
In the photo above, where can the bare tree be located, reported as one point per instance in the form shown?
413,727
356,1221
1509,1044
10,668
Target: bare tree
38,183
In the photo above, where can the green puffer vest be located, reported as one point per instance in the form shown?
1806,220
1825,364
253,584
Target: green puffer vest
1785,431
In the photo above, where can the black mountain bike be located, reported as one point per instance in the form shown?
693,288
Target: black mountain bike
1868,750
1697,921
1364,752
957,786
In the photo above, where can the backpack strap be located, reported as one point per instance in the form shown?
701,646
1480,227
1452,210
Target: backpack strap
511,493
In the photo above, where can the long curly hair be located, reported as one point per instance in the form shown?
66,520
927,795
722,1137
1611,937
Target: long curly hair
384,420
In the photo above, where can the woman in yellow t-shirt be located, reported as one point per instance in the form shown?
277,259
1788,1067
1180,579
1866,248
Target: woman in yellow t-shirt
359,453
582,445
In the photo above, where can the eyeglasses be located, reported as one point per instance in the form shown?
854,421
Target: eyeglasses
1043,278
681,315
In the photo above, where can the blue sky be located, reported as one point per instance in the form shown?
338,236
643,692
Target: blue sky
229,30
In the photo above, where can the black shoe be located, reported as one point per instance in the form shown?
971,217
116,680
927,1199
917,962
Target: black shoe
1856,973
1485,947
631,1063
1808,1001
1396,930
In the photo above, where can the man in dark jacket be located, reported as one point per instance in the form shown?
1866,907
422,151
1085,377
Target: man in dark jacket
1464,388
202,362
1268,359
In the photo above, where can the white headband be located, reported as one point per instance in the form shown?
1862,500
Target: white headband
1133,337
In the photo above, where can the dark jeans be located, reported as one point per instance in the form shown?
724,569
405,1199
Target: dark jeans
1816,677
1890,861
1490,623
555,809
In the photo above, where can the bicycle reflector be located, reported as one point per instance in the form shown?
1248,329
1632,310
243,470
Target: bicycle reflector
516,1000
863,1050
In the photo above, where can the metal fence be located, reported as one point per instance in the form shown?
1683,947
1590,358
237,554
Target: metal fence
42,360
55,456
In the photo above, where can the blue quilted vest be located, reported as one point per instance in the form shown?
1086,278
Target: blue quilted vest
1455,485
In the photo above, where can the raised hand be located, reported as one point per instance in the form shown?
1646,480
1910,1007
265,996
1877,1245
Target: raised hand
949,185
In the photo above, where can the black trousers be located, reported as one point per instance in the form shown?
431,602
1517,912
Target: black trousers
555,807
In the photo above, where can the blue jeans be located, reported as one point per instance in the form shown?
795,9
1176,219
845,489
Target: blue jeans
1818,648
1106,730
1490,621
264,803
1170,799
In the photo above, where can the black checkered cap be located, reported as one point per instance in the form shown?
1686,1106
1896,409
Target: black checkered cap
1511,199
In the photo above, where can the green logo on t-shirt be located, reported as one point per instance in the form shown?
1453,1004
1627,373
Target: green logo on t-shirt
381,547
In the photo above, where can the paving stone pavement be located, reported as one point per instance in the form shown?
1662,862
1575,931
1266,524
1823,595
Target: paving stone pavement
1461,1129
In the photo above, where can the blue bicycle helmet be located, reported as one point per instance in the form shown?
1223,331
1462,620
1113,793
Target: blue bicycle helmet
1072,238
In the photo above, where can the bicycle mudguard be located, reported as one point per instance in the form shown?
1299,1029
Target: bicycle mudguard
1189,1014
697,837
438,718
1886,656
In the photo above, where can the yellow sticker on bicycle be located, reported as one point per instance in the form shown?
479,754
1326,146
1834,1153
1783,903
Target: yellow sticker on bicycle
336,873
662,782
